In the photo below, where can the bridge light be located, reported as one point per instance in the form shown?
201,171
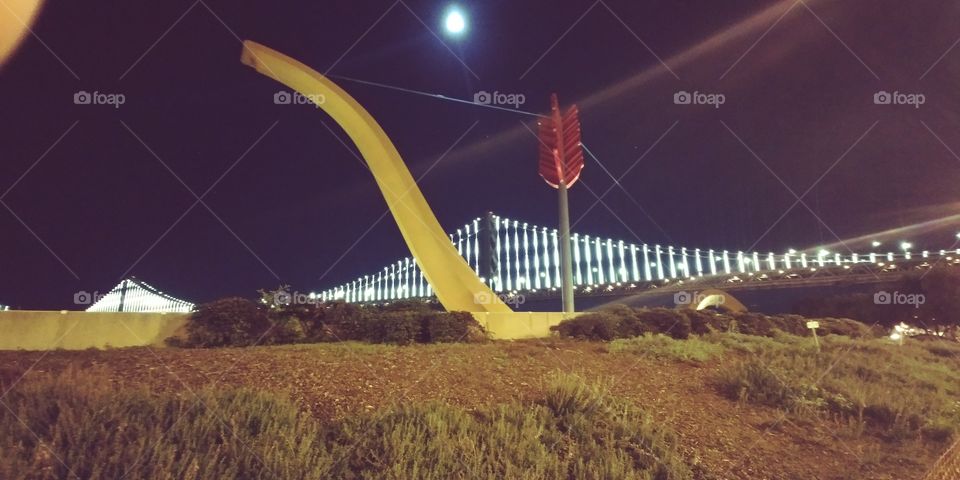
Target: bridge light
792,251
906,246
875,244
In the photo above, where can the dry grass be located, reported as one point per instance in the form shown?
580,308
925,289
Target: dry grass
71,426
334,383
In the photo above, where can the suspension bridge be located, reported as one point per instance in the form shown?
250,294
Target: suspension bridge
518,258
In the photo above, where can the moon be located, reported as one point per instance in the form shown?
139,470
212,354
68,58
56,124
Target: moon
455,22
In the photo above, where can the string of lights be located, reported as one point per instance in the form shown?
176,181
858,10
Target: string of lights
525,258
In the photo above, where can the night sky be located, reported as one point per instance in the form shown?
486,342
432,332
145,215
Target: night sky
799,78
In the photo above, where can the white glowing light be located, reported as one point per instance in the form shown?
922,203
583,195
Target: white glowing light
455,22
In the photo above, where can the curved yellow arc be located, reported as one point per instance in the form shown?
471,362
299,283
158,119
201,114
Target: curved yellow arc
455,283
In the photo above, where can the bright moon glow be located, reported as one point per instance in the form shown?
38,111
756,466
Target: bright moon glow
455,22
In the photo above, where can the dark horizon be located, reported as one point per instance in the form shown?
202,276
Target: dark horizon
93,193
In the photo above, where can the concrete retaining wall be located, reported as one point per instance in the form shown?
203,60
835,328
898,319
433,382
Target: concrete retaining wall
42,330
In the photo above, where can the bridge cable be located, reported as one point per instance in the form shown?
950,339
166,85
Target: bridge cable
435,95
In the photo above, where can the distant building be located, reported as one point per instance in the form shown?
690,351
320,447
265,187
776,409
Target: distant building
133,295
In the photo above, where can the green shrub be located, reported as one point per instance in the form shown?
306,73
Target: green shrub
667,321
286,326
239,322
590,326
337,321
452,327
407,306
704,322
226,322
620,321
400,327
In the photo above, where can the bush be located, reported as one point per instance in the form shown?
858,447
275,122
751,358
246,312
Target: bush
226,322
239,322
402,328
624,322
452,327
590,326
338,321
620,321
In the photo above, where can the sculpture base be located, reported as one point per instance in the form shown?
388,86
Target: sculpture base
520,325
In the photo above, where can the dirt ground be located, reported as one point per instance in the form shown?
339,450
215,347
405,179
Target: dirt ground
732,440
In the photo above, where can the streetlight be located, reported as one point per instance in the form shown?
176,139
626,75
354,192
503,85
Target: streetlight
877,244
906,246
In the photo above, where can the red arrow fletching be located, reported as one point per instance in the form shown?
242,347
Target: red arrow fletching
561,154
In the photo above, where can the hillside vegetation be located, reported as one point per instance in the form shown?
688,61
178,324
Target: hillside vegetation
721,397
